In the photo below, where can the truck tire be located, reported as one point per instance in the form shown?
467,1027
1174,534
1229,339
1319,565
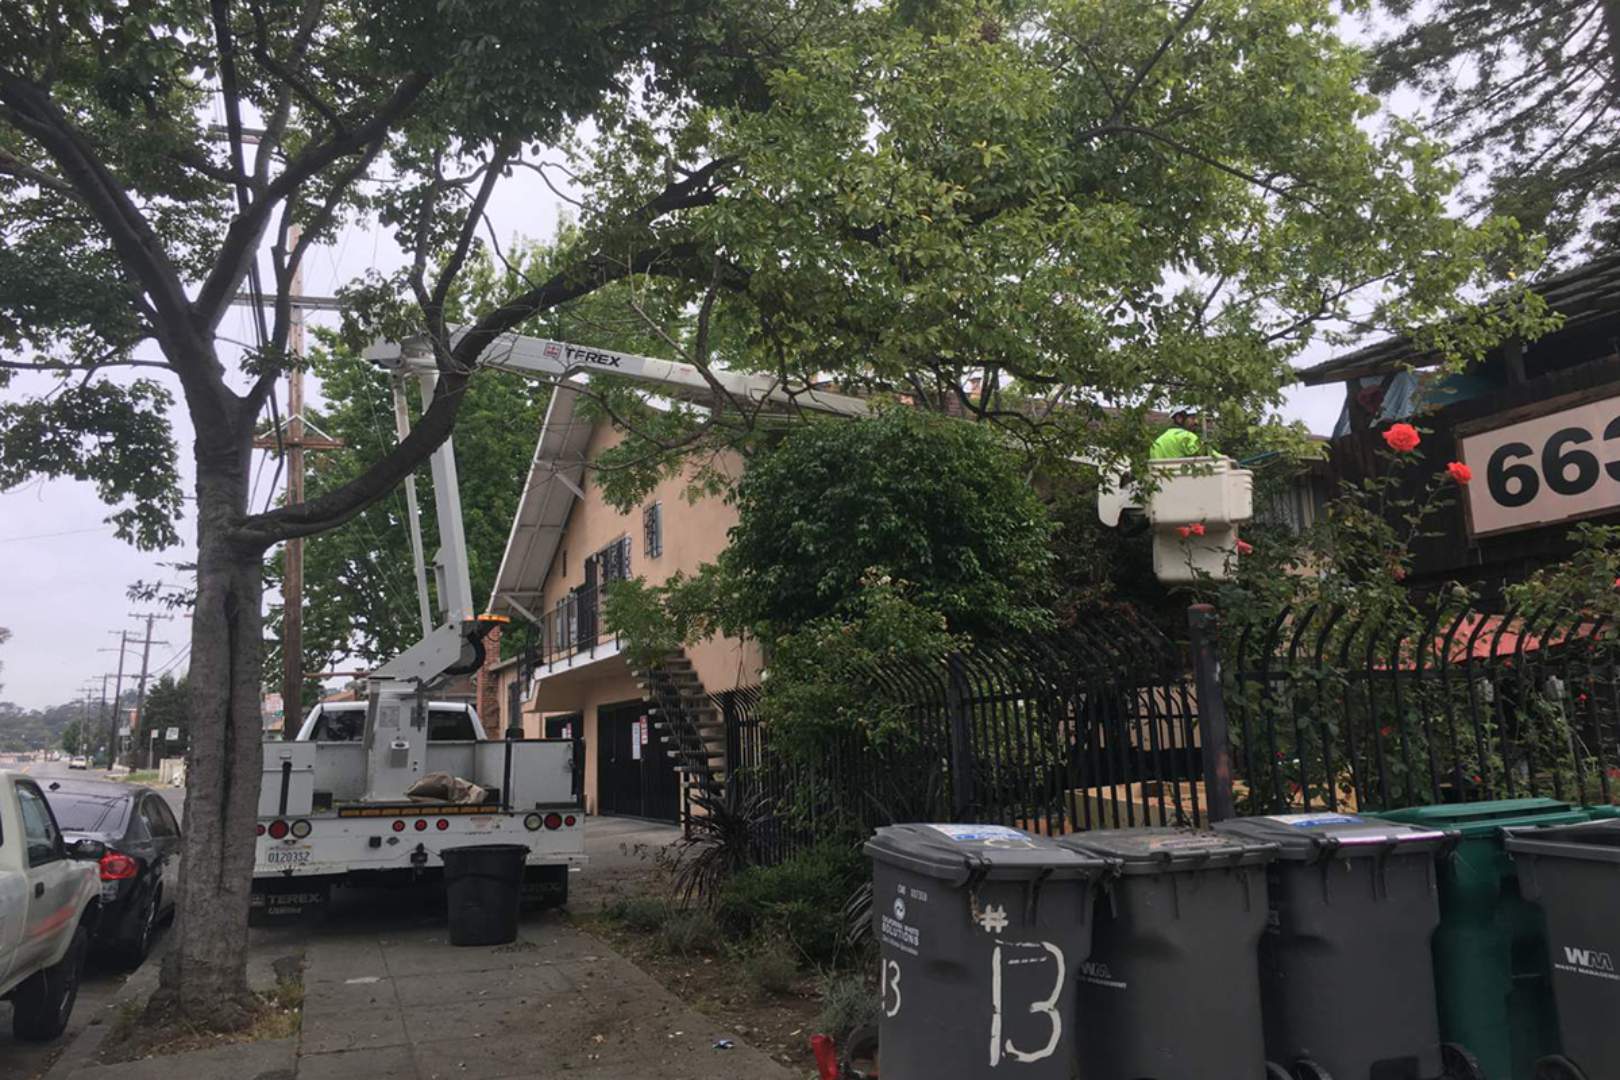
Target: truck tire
42,1004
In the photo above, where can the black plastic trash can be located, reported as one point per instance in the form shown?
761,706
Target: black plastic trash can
1172,988
981,930
1573,872
483,885
1345,969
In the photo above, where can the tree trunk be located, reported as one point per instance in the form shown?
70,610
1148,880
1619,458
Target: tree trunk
204,976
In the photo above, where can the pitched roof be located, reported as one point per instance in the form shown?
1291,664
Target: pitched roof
1582,295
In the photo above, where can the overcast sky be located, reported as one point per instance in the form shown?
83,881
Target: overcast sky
64,576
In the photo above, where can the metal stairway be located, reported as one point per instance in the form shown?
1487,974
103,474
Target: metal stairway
687,722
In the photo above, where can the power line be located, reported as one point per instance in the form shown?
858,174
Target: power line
53,535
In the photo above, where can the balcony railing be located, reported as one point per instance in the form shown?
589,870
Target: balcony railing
573,627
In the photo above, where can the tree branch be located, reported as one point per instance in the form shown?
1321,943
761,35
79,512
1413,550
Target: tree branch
246,230
21,170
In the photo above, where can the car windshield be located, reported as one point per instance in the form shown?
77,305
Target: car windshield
444,725
87,813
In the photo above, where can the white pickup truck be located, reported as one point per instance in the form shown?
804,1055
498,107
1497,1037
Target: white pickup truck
48,906
333,809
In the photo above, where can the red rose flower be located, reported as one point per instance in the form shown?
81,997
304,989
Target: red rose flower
1460,472
1245,548
1387,730
1183,531
1197,529
1402,438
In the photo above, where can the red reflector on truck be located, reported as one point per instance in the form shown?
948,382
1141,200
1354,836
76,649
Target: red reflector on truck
399,826
278,829
553,821
442,824
421,824
569,821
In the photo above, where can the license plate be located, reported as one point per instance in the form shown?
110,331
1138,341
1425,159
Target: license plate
287,856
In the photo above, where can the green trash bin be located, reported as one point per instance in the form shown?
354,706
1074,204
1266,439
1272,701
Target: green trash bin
1492,981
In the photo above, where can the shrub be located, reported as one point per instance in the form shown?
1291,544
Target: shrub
801,901
645,913
847,1002
690,931
773,968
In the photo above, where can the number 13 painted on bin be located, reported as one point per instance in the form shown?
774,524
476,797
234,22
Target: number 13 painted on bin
891,981
1049,1006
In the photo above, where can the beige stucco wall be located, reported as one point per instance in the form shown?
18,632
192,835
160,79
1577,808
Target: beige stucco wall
693,534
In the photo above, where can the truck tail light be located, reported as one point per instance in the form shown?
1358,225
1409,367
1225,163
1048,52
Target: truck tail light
399,826
442,824
258,830
300,829
569,821
553,821
421,824
532,822
118,867
278,829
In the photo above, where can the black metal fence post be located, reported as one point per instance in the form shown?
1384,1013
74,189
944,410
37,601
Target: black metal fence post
1203,625
958,713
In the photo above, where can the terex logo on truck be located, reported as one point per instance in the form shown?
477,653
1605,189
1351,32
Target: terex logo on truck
1588,962
577,355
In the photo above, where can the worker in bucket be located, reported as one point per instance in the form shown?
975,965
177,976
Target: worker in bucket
1178,440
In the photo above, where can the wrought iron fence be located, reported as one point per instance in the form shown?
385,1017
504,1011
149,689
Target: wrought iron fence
1345,710
1100,727
1093,728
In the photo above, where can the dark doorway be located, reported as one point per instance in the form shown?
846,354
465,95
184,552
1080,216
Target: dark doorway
634,777
565,726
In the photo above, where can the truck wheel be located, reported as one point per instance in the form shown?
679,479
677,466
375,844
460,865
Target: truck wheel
1459,1064
1306,1069
43,1003
1558,1067
1276,1072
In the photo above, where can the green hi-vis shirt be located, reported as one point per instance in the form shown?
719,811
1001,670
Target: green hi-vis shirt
1176,442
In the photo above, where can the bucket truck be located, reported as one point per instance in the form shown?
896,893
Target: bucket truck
339,810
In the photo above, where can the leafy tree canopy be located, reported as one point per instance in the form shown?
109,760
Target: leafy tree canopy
1528,95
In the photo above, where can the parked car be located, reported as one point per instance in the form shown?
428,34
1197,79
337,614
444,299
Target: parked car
140,870
48,910
78,761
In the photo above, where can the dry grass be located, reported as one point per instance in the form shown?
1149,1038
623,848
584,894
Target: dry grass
133,1036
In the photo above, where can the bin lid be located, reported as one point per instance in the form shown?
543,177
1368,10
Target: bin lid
1482,818
1162,851
955,853
1326,834
1593,841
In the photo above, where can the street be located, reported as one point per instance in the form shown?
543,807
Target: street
101,982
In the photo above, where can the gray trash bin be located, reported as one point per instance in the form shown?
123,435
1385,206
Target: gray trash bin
1172,988
1345,969
1573,872
981,930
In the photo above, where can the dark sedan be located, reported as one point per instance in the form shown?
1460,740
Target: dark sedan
139,873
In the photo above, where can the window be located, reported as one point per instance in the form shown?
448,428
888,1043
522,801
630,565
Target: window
39,828
614,561
652,528
450,725
159,821
88,813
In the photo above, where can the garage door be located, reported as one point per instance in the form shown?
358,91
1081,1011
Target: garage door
634,777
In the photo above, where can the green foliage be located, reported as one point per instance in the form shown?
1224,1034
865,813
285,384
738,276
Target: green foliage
1526,103
72,738
690,931
645,914
800,901
933,502
771,968
116,437
168,704
848,1002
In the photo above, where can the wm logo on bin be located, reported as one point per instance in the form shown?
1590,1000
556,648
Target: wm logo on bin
1590,959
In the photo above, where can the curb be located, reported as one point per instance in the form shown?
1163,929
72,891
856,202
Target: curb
82,1050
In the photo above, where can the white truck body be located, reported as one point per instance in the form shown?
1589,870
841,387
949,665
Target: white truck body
45,893
336,828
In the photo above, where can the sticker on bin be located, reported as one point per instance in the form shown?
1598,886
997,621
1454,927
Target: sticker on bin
1316,821
971,834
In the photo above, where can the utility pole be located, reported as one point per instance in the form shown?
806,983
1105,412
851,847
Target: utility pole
294,443
118,695
101,715
135,732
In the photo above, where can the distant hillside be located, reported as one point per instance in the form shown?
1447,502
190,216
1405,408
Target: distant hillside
40,729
